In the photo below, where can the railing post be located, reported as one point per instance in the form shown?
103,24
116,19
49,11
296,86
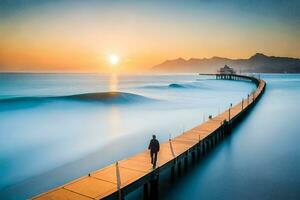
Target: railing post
171,148
248,100
120,197
242,103
229,117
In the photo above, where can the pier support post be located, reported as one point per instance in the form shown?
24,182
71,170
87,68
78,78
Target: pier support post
216,139
193,156
154,188
205,147
202,148
173,173
226,127
221,135
186,163
198,151
179,168
146,191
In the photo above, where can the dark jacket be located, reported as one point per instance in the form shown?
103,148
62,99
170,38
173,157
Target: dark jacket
154,145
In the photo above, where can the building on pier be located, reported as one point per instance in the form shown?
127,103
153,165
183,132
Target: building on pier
227,70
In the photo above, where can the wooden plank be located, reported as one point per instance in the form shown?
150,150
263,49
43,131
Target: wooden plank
61,194
138,163
127,175
92,187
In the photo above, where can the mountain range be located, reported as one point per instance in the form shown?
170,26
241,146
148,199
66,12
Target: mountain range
258,63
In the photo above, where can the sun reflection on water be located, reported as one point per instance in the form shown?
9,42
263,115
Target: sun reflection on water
113,82
114,121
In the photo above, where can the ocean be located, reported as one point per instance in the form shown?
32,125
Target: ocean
57,127
261,159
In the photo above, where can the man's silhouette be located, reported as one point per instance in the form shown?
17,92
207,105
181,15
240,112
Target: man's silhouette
154,149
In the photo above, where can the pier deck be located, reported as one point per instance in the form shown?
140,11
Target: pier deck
119,179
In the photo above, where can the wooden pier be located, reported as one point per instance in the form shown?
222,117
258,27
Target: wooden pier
117,180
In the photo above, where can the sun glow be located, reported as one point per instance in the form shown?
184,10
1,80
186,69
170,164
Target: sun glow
113,59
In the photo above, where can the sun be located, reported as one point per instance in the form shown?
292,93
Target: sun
113,59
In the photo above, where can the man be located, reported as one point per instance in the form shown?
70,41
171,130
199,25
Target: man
154,149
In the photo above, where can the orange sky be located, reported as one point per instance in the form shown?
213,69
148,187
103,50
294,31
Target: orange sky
80,37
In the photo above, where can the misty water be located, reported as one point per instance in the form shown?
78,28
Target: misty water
52,132
261,160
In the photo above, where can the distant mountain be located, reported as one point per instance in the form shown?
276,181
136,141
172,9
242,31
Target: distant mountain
256,63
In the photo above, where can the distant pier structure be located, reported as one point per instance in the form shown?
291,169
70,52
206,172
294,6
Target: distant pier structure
117,180
228,73
226,70
234,77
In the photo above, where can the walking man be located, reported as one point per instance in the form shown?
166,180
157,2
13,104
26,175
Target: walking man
154,149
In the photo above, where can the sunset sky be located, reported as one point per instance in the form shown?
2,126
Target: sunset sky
82,35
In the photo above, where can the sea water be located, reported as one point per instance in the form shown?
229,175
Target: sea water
261,159
57,127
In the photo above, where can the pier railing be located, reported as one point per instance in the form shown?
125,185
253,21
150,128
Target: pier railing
117,180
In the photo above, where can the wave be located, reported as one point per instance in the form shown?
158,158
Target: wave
104,97
174,86
110,97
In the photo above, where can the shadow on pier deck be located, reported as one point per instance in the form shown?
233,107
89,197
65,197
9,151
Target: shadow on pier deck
117,180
